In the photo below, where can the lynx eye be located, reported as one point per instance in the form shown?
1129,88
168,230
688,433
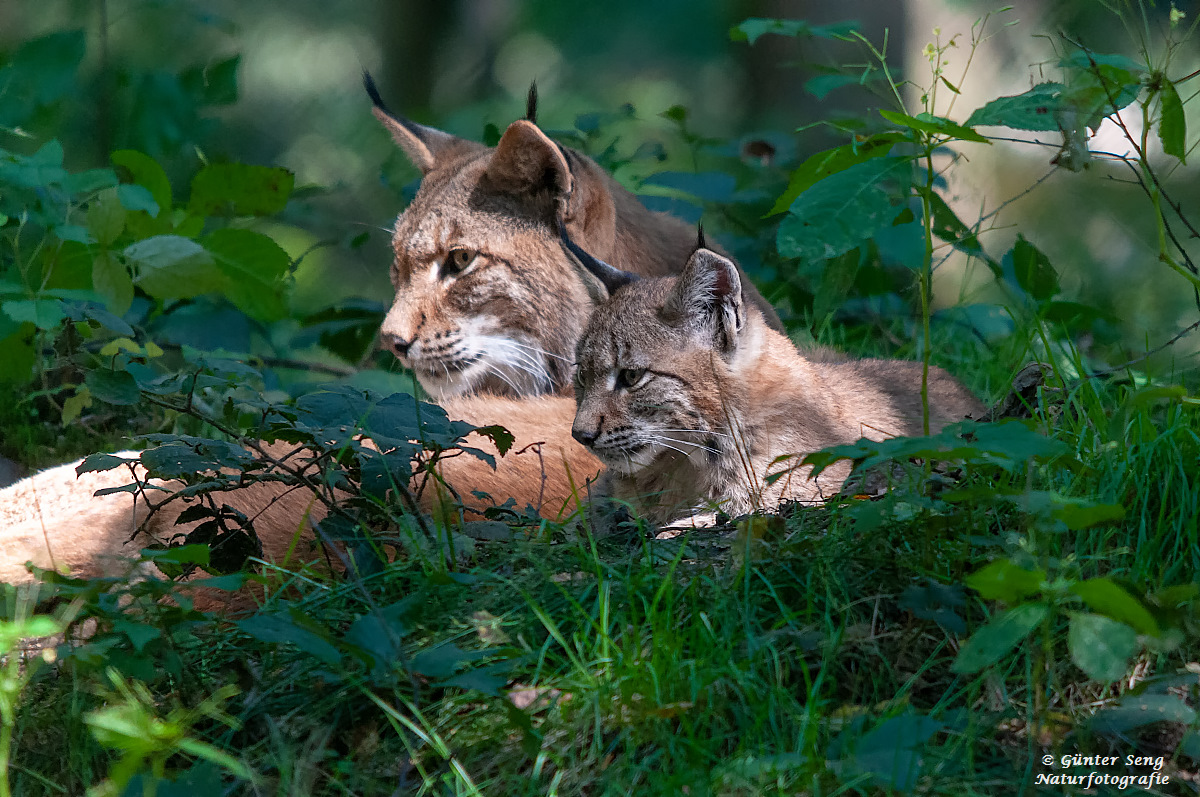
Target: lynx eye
457,261
630,377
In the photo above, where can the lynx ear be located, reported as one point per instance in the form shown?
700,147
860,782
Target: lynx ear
611,277
527,161
423,145
708,299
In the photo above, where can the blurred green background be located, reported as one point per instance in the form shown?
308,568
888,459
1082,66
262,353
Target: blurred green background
279,83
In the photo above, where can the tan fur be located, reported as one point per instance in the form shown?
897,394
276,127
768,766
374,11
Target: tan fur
52,519
508,322
691,399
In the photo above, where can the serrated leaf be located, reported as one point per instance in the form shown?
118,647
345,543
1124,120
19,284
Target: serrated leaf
1004,581
822,164
928,123
254,266
239,189
100,462
1106,597
113,387
173,267
999,637
1032,110
755,27
843,210
1101,647
111,280
1172,126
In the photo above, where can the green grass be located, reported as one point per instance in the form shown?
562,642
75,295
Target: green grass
809,656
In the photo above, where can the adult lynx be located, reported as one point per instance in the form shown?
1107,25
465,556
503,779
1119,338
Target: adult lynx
692,401
486,298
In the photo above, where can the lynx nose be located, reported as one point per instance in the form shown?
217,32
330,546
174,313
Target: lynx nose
399,345
584,436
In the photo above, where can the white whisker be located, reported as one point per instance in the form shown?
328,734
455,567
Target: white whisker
539,351
687,443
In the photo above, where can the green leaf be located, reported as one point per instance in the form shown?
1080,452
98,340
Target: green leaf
41,72
487,680
139,634
1136,711
1172,126
891,751
111,280
73,406
89,181
179,555
1033,110
1101,647
173,267
1032,269
214,84
137,197
17,354
113,387
999,637
1004,581
106,217
843,210
254,266
280,628
822,164
240,190
441,661
146,172
928,123
837,278
1106,597
750,30
100,462
950,228
42,313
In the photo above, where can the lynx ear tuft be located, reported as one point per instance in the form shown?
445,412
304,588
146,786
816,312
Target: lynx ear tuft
423,145
612,278
700,242
527,161
531,103
708,299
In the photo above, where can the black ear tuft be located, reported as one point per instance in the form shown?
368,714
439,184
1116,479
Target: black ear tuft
700,242
612,278
531,103
373,92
